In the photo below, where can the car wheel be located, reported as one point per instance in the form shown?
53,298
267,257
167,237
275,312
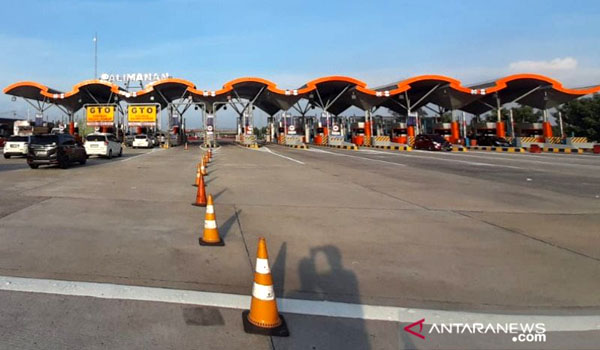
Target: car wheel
64,164
34,166
83,160
110,154
7,156
121,152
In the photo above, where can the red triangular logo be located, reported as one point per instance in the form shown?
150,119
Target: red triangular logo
420,323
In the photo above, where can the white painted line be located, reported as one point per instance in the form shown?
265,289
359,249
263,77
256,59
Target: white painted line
143,154
296,306
351,156
282,156
444,159
522,159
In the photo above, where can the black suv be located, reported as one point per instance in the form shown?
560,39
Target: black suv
494,141
60,149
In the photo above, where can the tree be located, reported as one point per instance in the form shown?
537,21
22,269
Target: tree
526,114
582,117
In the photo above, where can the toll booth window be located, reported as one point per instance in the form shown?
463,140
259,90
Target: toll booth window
319,130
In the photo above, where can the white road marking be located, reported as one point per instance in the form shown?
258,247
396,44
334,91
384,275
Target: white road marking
552,323
280,155
143,154
523,159
351,156
436,158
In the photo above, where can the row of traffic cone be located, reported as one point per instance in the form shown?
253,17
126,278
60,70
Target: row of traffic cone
210,236
263,316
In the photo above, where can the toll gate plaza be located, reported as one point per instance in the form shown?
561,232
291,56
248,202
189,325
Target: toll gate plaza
327,233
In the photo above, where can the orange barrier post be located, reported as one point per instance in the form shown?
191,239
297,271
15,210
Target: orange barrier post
410,131
210,236
547,129
500,132
200,194
263,316
455,133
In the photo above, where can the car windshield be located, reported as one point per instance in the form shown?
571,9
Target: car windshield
18,139
438,138
141,137
96,138
44,139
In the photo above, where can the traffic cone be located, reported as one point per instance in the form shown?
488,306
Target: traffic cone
203,168
210,236
185,147
263,317
198,174
201,193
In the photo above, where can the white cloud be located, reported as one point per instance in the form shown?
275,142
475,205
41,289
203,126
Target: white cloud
557,64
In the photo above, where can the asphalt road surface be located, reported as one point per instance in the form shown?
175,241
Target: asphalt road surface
467,235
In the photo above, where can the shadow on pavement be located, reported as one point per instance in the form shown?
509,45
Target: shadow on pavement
226,227
323,275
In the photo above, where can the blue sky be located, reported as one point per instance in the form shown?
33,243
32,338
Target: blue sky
291,42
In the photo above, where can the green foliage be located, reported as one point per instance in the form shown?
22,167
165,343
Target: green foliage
526,114
582,117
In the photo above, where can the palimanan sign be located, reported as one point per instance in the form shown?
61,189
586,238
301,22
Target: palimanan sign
134,77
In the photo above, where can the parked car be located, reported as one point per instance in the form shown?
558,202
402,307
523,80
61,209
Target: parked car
102,144
155,141
432,142
494,141
142,140
16,146
129,140
59,149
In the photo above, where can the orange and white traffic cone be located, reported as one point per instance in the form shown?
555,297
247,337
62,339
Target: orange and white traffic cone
210,236
263,316
201,193
203,168
198,174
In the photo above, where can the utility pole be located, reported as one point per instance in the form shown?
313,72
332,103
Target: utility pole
96,55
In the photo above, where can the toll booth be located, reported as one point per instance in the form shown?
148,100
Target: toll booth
529,133
321,131
486,129
294,129
399,133
443,129
357,130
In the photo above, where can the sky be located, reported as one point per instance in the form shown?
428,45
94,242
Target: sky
292,42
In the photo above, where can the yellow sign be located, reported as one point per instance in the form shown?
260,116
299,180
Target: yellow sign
100,115
141,114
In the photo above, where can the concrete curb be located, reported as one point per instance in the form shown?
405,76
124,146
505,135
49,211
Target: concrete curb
497,149
394,148
353,147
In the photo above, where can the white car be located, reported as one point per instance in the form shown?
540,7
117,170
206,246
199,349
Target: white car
142,141
16,146
103,145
